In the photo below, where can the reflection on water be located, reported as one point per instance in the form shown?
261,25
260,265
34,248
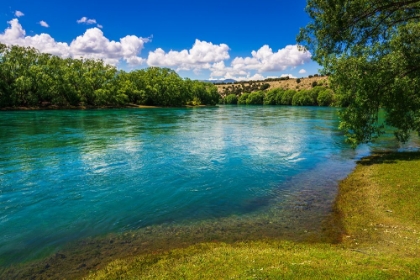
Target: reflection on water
223,173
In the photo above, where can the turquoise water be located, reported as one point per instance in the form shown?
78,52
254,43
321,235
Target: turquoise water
69,175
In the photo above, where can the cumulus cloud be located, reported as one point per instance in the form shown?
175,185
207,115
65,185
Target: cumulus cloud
288,75
86,20
262,61
92,44
201,56
44,24
302,71
265,60
19,14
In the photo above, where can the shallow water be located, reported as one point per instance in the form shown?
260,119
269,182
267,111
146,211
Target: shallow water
70,175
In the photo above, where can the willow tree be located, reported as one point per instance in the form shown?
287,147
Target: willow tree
371,49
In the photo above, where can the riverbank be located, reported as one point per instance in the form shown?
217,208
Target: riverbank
373,232
56,107
376,218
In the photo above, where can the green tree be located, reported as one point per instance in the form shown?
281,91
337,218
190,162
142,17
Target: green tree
371,50
270,97
303,98
325,98
255,98
231,99
279,96
287,97
242,99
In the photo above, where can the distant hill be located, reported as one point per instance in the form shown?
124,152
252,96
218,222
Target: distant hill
305,83
227,81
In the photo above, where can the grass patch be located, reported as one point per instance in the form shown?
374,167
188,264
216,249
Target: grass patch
376,217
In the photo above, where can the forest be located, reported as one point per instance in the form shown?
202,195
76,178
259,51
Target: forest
29,78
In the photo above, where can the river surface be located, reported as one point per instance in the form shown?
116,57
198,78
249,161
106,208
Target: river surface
70,175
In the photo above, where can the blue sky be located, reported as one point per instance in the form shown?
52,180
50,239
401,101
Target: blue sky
199,39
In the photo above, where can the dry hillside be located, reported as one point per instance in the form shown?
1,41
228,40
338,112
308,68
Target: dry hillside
306,83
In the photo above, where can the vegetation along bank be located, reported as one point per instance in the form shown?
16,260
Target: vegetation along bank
30,79
376,224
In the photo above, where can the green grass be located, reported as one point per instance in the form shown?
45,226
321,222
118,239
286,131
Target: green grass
376,219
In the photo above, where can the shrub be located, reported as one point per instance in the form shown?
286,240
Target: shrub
315,91
325,97
231,99
288,97
298,80
303,98
242,98
270,97
255,98
279,95
264,86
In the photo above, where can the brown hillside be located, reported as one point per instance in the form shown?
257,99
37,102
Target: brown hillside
306,83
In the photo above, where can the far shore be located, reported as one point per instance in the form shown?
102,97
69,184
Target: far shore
56,107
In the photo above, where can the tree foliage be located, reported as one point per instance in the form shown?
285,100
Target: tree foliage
32,79
372,51
231,99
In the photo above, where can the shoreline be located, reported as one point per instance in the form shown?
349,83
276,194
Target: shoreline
129,106
350,229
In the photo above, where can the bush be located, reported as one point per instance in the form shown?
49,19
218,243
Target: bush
298,80
255,98
303,98
279,95
242,98
264,86
315,91
287,97
325,98
270,97
231,99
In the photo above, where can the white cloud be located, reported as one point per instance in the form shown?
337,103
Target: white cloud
44,24
87,20
201,56
302,71
261,61
92,44
264,60
19,14
288,75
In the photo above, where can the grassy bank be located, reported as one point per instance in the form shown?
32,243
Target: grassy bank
376,220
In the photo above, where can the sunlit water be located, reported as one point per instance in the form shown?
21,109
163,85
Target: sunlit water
69,175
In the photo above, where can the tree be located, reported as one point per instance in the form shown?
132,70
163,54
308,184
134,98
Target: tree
242,99
231,99
371,49
303,98
255,98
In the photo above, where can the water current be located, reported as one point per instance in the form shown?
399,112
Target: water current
70,175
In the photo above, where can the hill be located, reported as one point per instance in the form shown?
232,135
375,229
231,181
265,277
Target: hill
305,83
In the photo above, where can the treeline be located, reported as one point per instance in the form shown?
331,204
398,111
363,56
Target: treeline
241,87
317,96
29,78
